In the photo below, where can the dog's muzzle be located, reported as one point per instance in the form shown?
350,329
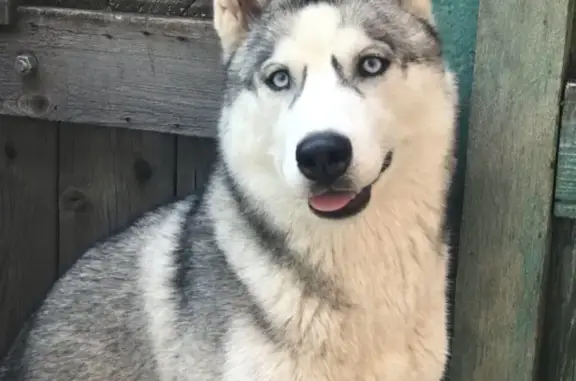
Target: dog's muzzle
324,158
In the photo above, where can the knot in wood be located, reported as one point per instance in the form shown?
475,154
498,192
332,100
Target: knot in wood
74,200
142,171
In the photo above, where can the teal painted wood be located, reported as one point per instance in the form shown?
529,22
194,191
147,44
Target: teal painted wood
456,22
457,26
565,193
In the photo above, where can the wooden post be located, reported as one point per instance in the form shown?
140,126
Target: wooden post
509,182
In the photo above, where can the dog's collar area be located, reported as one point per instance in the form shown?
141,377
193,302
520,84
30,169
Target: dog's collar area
360,200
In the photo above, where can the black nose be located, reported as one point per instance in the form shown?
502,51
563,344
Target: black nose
324,157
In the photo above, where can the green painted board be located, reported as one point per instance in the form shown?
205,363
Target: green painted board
456,22
505,233
565,195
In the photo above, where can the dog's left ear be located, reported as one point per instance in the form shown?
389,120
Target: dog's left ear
232,19
419,8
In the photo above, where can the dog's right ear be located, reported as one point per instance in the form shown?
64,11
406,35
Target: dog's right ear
419,8
232,19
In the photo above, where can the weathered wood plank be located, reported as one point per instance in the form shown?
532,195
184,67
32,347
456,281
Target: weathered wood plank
565,210
565,194
114,69
78,4
201,8
108,177
195,158
558,354
28,219
505,234
188,8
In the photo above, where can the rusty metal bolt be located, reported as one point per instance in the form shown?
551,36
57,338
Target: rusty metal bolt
25,64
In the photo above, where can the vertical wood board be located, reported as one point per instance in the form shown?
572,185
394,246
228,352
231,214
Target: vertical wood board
194,162
520,58
109,177
558,354
28,219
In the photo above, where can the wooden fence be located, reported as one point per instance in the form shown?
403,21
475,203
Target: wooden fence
103,129
64,186
70,172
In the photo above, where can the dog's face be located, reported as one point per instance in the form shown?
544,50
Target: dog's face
325,99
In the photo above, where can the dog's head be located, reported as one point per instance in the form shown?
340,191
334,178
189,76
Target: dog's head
328,101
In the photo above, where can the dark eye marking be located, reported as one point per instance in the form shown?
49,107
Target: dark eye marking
301,88
339,69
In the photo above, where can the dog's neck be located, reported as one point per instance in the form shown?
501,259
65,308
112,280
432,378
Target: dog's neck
358,274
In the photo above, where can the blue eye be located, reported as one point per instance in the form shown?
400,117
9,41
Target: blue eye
279,80
371,66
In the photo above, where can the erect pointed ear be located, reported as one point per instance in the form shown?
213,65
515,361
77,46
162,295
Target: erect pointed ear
232,19
419,8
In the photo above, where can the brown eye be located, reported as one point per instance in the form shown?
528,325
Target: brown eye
371,66
279,80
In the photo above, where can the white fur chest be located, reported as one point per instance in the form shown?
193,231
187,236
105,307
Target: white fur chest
392,328
403,356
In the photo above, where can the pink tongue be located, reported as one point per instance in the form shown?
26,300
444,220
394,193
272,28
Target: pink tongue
331,202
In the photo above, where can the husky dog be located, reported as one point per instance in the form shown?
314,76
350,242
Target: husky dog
316,252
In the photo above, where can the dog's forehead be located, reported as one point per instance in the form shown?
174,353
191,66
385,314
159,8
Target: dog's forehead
331,24
306,20
317,33
319,22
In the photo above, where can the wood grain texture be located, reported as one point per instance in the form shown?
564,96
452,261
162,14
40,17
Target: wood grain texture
194,161
505,233
77,4
28,219
188,8
114,69
108,177
558,354
565,193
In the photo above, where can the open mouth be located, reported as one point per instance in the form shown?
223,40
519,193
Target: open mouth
337,204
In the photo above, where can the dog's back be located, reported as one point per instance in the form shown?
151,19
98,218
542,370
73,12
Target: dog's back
152,303
92,325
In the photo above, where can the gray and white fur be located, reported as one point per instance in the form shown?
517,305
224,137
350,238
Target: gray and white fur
260,277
